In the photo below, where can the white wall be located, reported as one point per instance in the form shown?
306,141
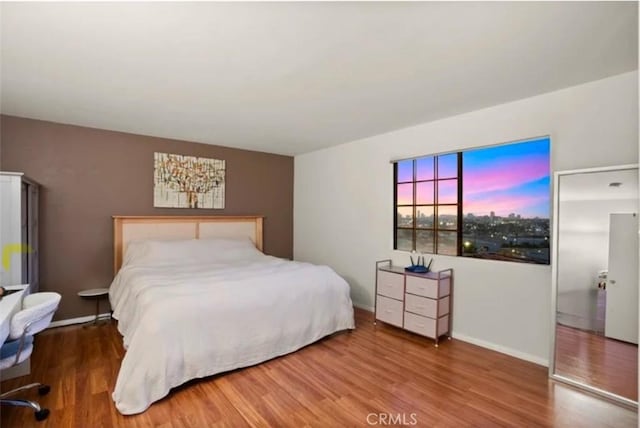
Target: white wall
343,203
583,250
583,246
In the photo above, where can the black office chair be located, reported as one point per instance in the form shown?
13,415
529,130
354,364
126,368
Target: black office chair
36,315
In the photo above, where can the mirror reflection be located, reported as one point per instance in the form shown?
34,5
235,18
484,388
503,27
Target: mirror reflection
597,280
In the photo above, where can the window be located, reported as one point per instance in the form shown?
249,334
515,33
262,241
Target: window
489,203
427,204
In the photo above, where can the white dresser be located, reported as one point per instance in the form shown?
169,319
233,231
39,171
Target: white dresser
417,302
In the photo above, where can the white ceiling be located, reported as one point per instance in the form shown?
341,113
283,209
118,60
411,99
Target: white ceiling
587,200
295,77
594,186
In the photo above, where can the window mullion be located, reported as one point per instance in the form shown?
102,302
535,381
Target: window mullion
460,213
436,209
414,234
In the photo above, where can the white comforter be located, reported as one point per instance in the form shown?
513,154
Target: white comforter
186,322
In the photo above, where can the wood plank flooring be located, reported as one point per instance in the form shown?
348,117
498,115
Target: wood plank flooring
598,361
374,374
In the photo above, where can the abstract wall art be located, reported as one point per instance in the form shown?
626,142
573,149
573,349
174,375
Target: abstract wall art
188,182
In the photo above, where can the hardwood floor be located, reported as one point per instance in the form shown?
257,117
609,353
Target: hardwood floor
593,359
375,374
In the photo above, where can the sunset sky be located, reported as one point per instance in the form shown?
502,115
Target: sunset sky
505,179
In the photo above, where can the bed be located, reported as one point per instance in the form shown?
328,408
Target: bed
195,296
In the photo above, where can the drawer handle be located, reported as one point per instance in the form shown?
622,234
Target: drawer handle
388,310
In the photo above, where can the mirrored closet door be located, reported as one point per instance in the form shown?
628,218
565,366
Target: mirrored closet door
595,281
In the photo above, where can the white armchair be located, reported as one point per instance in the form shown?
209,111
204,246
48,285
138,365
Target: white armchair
36,315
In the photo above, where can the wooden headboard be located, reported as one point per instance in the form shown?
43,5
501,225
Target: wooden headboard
130,228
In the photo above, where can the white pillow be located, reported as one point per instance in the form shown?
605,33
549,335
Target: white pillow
190,251
223,250
135,251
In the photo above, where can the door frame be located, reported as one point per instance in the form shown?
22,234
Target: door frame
554,285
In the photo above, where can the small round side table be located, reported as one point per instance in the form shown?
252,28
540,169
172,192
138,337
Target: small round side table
96,294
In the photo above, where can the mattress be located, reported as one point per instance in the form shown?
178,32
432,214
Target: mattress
182,321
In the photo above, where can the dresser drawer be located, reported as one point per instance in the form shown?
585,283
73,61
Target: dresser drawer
426,326
421,325
425,306
420,305
391,284
428,287
389,310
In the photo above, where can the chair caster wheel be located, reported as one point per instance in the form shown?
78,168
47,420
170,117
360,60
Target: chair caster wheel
44,389
42,414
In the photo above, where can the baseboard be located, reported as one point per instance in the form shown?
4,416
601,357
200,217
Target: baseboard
79,320
484,344
22,369
502,349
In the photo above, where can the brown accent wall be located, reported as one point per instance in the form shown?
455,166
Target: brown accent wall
88,175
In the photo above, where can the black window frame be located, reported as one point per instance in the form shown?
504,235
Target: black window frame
459,230
435,229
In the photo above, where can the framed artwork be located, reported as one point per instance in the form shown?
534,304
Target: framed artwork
188,182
